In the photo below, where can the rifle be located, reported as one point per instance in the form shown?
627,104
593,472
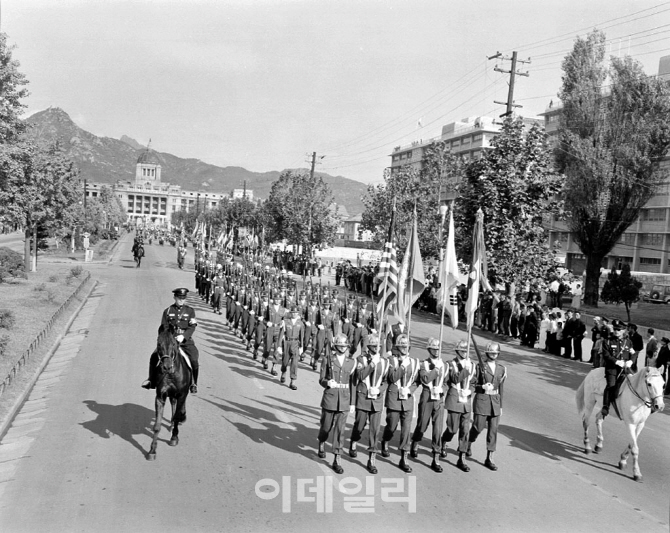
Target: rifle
479,357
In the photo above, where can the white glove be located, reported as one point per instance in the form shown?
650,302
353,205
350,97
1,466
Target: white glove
620,363
193,322
487,387
352,409
300,351
373,331
280,351
359,325
308,324
269,324
320,326
629,364
331,383
631,351
179,338
375,359
388,354
346,320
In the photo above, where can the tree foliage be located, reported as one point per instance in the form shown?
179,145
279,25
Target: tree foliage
300,209
440,170
41,189
621,288
614,130
516,188
12,90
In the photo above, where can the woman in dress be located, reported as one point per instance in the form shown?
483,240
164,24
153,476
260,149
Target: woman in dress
545,324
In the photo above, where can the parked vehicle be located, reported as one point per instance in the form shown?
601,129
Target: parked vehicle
658,294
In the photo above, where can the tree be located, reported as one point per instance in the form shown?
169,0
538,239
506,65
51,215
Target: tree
621,288
611,145
41,190
516,188
440,170
300,210
12,90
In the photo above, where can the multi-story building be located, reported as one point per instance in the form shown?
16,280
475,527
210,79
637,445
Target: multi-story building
148,200
644,245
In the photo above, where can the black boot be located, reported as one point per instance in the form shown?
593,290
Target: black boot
194,384
385,449
337,467
461,463
414,450
489,462
435,465
404,465
372,467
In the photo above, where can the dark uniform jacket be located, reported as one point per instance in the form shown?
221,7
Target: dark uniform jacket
461,372
180,318
489,404
337,399
429,375
399,376
375,373
616,350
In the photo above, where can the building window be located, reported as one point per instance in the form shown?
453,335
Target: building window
627,238
650,260
455,144
653,214
477,137
409,154
465,140
651,238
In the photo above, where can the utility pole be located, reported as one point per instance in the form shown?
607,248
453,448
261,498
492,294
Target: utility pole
512,75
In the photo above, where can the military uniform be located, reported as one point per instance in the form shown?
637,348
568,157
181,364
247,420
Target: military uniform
431,402
336,401
615,350
292,346
371,384
403,380
487,406
458,402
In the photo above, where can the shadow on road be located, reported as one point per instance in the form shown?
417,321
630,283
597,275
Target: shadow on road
125,421
273,431
555,449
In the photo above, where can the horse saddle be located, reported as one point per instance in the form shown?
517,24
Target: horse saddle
186,358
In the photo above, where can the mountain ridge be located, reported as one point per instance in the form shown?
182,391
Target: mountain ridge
108,160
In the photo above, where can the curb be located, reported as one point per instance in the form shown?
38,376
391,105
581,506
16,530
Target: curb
11,414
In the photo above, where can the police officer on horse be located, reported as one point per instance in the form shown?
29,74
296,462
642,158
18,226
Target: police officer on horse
181,318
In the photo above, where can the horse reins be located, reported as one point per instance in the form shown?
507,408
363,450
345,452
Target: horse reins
648,403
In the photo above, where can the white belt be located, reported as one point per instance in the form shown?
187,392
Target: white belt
340,386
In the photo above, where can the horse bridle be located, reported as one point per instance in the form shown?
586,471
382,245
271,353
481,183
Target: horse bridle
648,403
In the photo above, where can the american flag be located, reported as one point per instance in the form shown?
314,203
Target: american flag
388,274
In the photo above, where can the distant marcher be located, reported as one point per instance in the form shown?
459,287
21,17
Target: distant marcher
652,348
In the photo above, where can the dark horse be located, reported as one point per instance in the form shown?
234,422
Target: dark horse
139,254
173,381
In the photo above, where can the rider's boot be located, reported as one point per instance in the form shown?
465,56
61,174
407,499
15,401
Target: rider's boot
194,383
606,403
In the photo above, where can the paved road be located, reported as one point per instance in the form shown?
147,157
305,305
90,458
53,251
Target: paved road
75,458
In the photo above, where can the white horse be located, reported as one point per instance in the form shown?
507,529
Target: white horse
640,395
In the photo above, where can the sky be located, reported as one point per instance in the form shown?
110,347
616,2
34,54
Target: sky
262,84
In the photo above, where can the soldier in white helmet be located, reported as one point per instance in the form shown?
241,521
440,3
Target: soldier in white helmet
487,404
371,383
337,378
403,379
459,403
432,372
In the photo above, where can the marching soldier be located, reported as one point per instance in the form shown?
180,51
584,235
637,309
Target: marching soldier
181,318
487,405
371,382
325,333
293,329
403,379
337,379
274,322
432,372
458,403
311,317
218,283
261,324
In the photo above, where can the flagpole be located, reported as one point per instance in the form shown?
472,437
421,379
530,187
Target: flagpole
443,213
410,272
382,325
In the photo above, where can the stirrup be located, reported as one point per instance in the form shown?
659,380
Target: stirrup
146,385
